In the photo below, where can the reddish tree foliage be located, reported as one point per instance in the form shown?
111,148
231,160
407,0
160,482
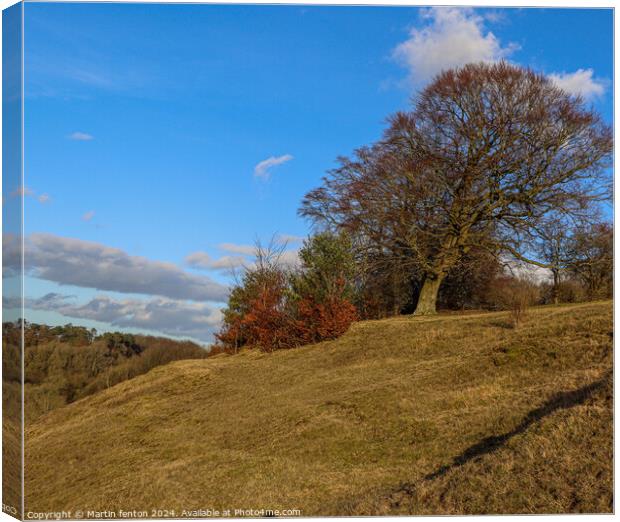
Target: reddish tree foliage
319,321
272,309
268,324
264,320
226,339
273,323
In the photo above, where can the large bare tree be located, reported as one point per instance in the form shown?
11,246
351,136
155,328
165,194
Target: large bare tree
487,151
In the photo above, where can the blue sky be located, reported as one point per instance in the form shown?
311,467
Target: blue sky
162,140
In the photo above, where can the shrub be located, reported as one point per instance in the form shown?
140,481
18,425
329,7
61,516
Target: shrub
218,349
324,288
268,323
258,307
327,268
567,291
319,321
274,308
520,300
516,295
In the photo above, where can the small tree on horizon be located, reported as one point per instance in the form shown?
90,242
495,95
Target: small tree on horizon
323,287
274,307
256,312
327,266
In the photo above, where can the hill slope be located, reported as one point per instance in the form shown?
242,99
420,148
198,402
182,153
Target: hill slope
451,414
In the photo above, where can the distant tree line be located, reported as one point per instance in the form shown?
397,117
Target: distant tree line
65,363
493,167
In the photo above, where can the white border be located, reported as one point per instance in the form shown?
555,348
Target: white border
479,3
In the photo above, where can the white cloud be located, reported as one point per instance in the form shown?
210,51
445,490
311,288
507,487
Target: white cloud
495,17
522,270
169,316
88,215
289,258
87,264
81,136
581,82
262,169
287,239
246,250
453,37
44,198
198,260
246,256
228,262
203,260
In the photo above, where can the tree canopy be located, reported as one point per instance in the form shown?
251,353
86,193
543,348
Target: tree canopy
486,153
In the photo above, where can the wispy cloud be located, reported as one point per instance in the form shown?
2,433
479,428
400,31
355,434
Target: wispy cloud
287,239
289,258
581,82
88,215
204,261
88,77
246,250
198,260
453,36
245,255
496,16
81,136
93,65
87,264
263,169
28,192
169,316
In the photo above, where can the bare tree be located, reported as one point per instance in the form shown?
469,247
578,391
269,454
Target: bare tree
591,258
553,237
486,153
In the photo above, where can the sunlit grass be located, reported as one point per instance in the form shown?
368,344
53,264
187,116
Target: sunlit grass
404,415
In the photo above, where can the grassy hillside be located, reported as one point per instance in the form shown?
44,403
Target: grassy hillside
454,414
58,372
64,364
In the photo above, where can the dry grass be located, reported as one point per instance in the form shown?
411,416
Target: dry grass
458,414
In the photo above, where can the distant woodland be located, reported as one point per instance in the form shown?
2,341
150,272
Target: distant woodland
65,363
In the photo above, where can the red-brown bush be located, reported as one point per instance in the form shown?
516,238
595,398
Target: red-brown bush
273,308
323,321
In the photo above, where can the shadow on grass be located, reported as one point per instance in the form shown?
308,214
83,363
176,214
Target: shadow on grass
559,401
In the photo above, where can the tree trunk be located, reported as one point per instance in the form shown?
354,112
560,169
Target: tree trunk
556,286
427,302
